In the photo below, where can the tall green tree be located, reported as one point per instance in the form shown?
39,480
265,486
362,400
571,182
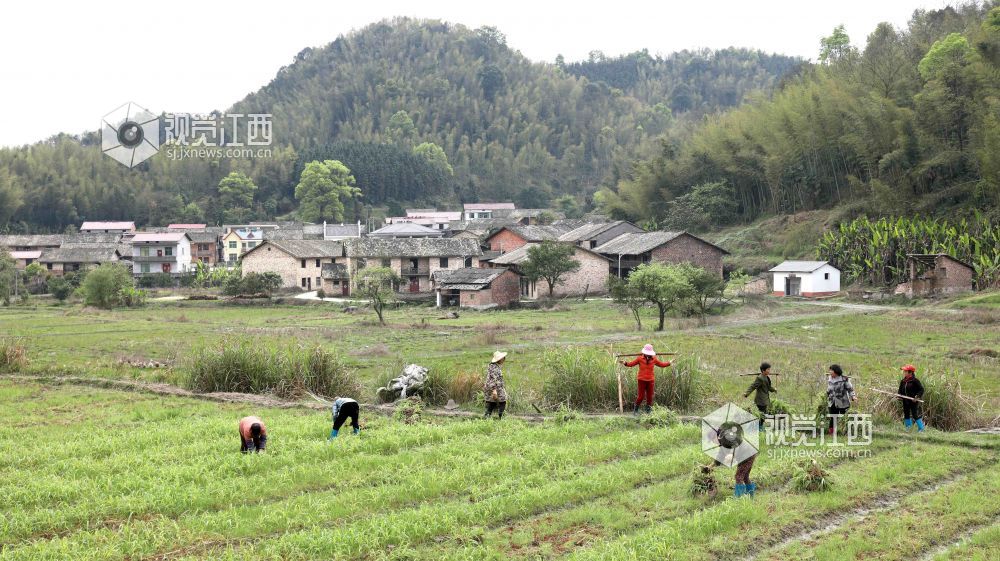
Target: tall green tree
378,286
664,286
236,193
324,191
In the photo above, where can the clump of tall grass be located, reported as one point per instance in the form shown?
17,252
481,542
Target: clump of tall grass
248,366
13,355
809,476
581,379
659,417
946,406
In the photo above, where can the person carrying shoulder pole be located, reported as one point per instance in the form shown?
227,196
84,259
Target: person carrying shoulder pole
762,385
839,394
494,391
253,435
647,377
910,386
344,408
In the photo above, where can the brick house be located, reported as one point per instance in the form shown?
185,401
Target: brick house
935,274
589,236
61,260
299,262
808,279
336,279
478,288
24,258
204,246
590,278
154,253
107,227
415,260
510,237
628,251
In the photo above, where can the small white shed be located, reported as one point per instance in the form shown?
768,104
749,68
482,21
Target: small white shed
808,279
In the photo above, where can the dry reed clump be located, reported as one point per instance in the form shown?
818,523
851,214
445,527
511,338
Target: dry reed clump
13,355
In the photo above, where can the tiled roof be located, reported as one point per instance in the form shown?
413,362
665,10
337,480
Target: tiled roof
636,243
334,271
37,240
79,255
92,239
203,236
303,249
469,278
344,230
520,255
412,247
152,237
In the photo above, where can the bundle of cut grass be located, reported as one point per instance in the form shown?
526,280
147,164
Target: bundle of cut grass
809,476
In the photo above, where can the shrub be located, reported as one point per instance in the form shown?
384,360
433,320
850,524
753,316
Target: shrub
102,287
252,283
156,280
246,366
13,355
131,297
321,294
809,476
59,287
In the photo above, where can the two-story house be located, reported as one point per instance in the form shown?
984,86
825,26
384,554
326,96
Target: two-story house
161,253
299,262
238,241
415,260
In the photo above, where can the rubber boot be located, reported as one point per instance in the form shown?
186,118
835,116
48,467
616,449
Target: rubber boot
635,410
909,423
648,409
739,490
333,434
920,425
357,430
751,488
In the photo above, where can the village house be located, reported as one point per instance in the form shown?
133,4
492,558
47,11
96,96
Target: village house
336,279
107,227
474,211
15,242
477,288
406,230
61,260
24,258
590,278
508,238
298,262
340,232
413,259
432,218
154,253
935,274
204,246
238,241
628,251
591,235
807,279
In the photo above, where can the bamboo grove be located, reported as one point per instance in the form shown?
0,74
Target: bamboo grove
874,251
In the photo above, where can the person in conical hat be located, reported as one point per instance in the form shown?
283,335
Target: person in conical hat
494,391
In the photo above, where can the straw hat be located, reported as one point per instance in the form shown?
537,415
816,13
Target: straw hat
648,350
497,356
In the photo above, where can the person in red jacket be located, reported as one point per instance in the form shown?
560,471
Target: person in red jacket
646,363
253,435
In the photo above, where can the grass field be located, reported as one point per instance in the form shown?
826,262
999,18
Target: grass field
97,474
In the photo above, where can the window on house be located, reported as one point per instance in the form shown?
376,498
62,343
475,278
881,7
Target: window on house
303,266
159,253
168,251
48,266
144,251
303,282
468,262
317,262
145,268
251,244
443,262
319,281
232,245
385,263
826,276
944,272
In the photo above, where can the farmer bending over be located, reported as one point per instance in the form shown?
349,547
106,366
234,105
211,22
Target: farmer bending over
344,408
253,435
839,394
762,385
910,386
646,361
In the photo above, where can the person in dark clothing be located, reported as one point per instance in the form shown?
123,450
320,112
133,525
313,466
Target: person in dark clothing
253,435
910,386
762,385
345,408
839,394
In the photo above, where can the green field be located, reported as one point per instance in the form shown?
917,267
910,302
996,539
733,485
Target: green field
98,474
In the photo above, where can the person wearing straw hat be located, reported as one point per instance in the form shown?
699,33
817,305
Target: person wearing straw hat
494,392
646,361
910,386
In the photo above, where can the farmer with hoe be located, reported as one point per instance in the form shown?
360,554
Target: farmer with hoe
839,394
253,435
494,392
762,385
911,387
344,408
646,379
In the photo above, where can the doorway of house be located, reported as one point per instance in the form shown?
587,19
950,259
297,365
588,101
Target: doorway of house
414,284
793,286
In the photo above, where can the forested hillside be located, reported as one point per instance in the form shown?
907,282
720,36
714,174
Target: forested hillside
906,121
421,112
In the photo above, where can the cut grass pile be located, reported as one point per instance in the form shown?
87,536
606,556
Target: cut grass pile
97,474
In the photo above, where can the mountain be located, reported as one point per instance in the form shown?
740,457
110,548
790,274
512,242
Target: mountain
422,112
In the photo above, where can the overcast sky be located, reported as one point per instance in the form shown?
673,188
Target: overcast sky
64,65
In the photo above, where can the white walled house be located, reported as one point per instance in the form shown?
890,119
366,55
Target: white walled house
808,279
161,253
